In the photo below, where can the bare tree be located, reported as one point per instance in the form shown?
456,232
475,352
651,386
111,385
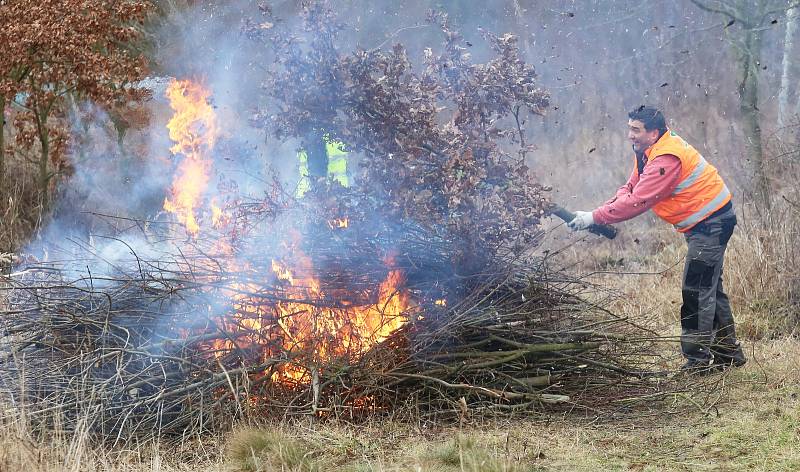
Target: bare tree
746,21
784,112
2,138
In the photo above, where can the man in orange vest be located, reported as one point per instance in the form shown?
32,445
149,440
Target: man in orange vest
683,189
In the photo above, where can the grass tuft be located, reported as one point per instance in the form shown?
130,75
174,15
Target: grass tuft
253,450
464,454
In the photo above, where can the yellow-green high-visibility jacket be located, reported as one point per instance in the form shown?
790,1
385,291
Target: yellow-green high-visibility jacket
337,166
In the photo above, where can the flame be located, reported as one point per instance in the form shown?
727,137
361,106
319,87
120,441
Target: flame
339,223
298,318
219,218
441,302
282,272
193,129
309,325
346,331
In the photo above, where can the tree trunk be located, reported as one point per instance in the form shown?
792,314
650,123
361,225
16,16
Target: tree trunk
784,112
121,129
748,58
522,30
2,140
44,157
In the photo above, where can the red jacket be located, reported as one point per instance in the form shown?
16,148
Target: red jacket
657,181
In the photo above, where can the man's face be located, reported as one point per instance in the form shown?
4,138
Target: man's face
640,137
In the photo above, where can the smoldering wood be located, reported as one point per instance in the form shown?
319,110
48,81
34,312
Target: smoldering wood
134,350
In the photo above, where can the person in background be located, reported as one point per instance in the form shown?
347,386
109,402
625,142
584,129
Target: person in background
321,159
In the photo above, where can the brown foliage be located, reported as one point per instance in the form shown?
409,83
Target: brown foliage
57,52
434,140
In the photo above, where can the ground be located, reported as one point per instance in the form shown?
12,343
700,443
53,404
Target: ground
748,420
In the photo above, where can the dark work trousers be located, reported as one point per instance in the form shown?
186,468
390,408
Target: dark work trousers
707,329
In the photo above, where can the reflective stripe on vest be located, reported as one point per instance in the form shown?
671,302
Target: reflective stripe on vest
337,162
700,190
710,207
692,178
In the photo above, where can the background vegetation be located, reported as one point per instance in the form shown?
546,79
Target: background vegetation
724,72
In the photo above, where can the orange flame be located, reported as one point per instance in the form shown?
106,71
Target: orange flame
339,223
300,319
323,333
313,333
282,272
193,128
219,218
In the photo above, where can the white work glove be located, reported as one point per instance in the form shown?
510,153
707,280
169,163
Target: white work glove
582,220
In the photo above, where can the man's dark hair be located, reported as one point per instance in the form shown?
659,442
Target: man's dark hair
650,116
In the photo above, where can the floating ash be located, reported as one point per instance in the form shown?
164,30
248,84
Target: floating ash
413,291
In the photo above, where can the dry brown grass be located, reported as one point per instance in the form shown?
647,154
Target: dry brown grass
264,450
19,208
763,272
30,448
751,423
754,426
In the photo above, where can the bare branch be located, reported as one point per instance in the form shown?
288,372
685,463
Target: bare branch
721,8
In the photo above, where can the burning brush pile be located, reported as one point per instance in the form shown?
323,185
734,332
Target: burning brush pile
412,290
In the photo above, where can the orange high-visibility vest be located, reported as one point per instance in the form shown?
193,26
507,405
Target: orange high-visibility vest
700,191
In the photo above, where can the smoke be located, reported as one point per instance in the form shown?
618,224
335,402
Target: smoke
123,167
109,217
110,209
597,62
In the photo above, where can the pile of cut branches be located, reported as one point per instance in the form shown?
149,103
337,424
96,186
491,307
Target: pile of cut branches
164,345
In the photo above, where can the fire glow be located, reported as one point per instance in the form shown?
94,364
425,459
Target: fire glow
322,333
299,320
194,131
308,324
339,223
